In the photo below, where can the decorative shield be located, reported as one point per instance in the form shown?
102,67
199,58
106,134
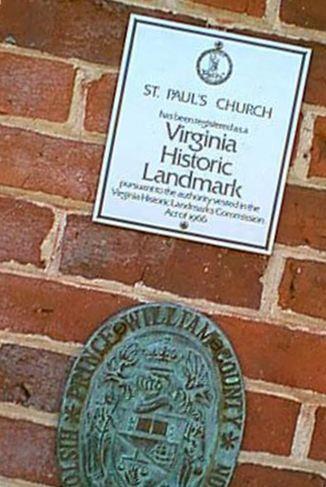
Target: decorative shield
156,398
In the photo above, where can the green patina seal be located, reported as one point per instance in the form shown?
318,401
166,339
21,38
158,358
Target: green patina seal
156,398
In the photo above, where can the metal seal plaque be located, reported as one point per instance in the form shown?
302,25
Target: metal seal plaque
156,398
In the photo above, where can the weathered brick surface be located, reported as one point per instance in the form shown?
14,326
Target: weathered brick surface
27,452
250,7
99,103
315,91
302,219
49,164
46,308
304,13
23,227
36,88
32,377
257,476
275,354
303,288
318,151
270,424
185,268
318,444
88,29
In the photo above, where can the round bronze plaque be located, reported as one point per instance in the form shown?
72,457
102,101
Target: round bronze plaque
156,398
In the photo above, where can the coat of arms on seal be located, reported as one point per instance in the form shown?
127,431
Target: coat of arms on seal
156,398
214,66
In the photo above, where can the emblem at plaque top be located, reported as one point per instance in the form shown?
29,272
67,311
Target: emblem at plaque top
214,66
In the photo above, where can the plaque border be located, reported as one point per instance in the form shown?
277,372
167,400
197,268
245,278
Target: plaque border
98,215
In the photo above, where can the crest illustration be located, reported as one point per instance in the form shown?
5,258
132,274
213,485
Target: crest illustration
214,66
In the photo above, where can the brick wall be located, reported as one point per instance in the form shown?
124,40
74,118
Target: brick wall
61,275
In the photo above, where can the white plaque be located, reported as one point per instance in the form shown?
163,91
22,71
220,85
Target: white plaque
201,134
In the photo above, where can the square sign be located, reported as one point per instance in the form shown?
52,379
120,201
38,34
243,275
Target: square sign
201,134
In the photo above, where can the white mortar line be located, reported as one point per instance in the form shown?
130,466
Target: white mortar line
302,252
304,396
47,200
50,245
144,294
300,168
53,244
40,342
272,13
283,463
6,482
287,320
52,129
271,281
315,109
300,33
17,412
312,182
318,181
170,5
78,102
74,62
218,17
298,322
304,431
163,5
76,118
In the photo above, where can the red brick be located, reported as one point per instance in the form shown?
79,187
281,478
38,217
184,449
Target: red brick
36,88
49,164
303,218
251,7
46,308
318,443
203,271
23,227
257,476
67,313
276,354
27,451
98,251
316,84
32,377
270,424
318,151
87,29
304,13
99,103
303,288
